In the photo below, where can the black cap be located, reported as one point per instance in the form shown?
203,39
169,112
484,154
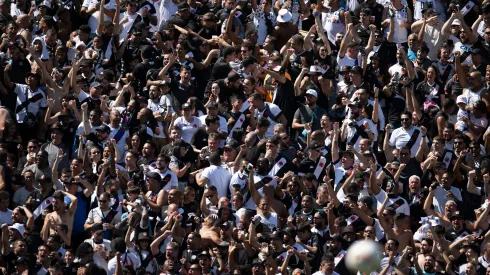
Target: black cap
184,6
367,200
154,175
457,216
95,84
136,30
314,146
103,128
204,253
355,104
226,224
290,231
357,70
345,69
212,104
35,74
98,227
347,152
141,25
277,236
143,236
57,126
186,106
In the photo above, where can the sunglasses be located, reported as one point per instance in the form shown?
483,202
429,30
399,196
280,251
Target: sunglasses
369,231
405,119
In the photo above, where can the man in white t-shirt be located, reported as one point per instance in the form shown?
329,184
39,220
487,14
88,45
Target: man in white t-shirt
215,175
268,110
169,179
408,135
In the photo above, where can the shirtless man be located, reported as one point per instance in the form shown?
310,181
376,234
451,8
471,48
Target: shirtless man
60,215
400,231
209,233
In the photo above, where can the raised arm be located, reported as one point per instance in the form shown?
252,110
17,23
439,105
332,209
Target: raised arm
373,185
335,142
347,38
446,28
235,39
458,67
170,64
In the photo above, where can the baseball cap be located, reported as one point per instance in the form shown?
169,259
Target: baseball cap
143,236
355,104
312,92
212,104
226,224
456,22
457,216
95,84
22,260
154,175
136,30
314,146
141,25
98,227
57,126
35,74
103,128
19,227
357,70
186,106
462,99
345,69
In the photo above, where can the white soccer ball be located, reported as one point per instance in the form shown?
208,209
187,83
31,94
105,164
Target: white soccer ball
363,256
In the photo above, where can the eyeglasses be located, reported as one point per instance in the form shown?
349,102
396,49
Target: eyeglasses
369,231
405,119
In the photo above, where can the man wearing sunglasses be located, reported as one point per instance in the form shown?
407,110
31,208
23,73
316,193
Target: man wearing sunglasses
408,135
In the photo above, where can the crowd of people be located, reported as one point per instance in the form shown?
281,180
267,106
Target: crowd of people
251,137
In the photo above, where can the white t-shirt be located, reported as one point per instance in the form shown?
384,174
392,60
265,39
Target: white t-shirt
96,215
400,137
401,208
188,128
33,107
271,222
121,143
219,177
172,183
351,131
275,111
127,258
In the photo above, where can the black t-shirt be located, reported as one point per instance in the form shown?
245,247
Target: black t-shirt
200,138
182,92
220,69
395,104
226,92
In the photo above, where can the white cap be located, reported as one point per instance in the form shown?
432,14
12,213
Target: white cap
284,16
80,43
456,22
45,3
19,227
312,92
462,99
